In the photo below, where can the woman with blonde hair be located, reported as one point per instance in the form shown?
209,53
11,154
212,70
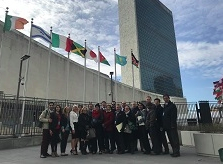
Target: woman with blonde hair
74,114
65,129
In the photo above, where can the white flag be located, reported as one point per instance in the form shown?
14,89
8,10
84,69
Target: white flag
38,32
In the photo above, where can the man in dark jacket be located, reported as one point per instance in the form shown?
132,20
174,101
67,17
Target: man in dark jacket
119,119
170,125
152,127
161,133
149,104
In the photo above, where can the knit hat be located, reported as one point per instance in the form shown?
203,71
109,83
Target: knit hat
97,105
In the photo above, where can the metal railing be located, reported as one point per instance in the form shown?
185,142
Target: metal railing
11,122
12,125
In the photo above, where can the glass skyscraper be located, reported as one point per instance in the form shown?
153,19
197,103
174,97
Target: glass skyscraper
146,27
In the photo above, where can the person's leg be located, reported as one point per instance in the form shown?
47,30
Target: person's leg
62,143
57,140
168,131
76,140
175,141
155,141
116,137
145,140
90,146
72,144
121,141
66,138
94,145
106,141
112,142
44,144
164,142
101,139
53,143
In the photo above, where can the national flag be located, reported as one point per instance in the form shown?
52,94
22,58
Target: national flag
135,62
91,55
13,22
218,83
218,98
60,41
78,49
103,59
121,60
218,90
38,32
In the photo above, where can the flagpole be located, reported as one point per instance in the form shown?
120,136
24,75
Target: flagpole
48,70
68,72
26,76
85,61
116,89
3,35
98,74
133,82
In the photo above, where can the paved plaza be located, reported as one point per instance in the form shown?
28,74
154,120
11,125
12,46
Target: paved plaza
30,155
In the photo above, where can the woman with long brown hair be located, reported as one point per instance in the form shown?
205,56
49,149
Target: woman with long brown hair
55,127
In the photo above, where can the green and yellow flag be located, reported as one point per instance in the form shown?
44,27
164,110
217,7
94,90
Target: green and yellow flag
78,49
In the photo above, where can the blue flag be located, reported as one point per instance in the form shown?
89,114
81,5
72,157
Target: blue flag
38,32
121,60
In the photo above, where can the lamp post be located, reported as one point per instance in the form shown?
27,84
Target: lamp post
111,73
23,58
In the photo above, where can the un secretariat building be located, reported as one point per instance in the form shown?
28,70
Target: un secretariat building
146,26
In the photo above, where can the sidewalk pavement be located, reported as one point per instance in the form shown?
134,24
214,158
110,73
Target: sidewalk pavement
31,155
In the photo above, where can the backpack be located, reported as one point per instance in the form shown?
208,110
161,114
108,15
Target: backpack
40,124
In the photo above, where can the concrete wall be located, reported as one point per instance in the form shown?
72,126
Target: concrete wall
15,45
12,143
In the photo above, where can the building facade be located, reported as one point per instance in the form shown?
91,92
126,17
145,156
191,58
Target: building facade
146,27
15,45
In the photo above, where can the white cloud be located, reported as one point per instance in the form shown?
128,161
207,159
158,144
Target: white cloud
199,20
205,58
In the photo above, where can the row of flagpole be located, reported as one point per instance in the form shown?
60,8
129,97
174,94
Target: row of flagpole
68,69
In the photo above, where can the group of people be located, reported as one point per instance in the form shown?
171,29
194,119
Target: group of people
104,128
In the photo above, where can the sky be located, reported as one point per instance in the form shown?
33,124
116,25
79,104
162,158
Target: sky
198,28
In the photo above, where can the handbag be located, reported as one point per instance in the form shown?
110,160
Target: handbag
91,133
127,129
132,126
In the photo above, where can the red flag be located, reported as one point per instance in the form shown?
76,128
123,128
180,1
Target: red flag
69,43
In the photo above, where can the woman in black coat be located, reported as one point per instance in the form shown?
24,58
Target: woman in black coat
84,122
96,122
65,130
129,126
55,127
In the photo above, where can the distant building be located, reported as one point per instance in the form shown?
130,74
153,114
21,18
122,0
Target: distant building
146,26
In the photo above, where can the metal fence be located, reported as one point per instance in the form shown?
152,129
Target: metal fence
190,118
19,122
12,124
